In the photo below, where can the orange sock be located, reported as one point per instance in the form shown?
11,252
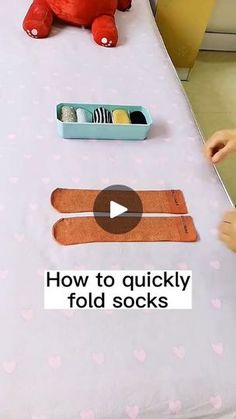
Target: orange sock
78,230
82,200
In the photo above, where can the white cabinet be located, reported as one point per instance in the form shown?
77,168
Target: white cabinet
224,17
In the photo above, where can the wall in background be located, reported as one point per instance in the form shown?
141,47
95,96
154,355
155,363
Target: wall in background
182,25
223,17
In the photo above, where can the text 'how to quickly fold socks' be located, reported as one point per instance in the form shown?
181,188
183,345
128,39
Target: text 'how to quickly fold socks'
101,115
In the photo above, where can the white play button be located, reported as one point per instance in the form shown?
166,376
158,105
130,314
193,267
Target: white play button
116,209
117,201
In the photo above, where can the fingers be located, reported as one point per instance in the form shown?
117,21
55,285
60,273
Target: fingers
219,136
224,238
215,144
228,241
227,230
230,217
220,155
225,226
220,145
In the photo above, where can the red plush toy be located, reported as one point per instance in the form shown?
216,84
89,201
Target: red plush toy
95,14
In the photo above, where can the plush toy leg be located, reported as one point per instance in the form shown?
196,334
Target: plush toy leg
124,5
38,21
104,31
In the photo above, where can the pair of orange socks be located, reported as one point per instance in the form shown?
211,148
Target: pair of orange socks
78,230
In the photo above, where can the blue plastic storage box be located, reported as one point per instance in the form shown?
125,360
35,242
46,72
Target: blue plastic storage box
99,131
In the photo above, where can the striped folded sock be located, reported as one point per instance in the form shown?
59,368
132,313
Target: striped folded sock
102,116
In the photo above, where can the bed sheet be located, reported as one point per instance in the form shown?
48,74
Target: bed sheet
100,365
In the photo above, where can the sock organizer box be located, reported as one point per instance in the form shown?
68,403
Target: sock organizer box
103,122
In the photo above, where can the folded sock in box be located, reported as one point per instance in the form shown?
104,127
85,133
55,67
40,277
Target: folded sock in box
68,114
120,116
138,117
83,115
102,116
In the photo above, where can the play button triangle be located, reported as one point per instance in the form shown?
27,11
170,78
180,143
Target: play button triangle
116,209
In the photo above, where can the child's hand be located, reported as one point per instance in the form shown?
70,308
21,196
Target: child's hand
227,230
220,145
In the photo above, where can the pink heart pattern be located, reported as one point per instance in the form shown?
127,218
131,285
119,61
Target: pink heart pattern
33,206
54,361
68,313
87,414
215,264
12,136
216,303
4,273
215,204
45,180
218,348
27,314
109,312
9,366
105,180
75,180
85,157
14,179
56,157
175,406
40,272
98,358
19,237
140,355
216,402
132,411
28,156
183,266
179,351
